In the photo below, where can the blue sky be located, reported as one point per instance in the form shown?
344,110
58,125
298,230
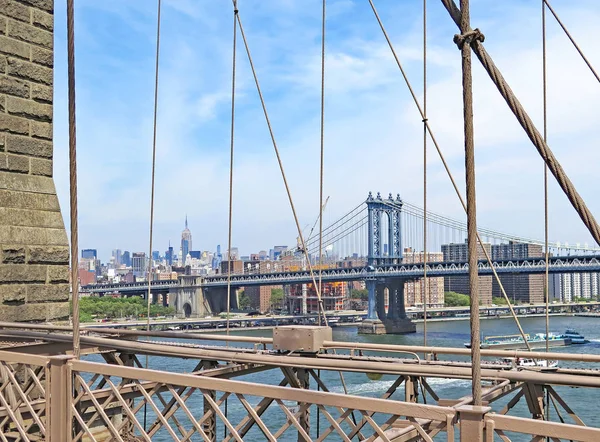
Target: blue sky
373,133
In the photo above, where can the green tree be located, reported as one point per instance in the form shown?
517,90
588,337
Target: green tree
453,299
499,301
243,300
276,298
362,294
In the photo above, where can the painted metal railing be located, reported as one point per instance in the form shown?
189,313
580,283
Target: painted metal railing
62,399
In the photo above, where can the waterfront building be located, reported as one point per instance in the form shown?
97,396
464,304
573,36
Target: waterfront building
458,252
260,296
519,287
126,259
335,296
414,290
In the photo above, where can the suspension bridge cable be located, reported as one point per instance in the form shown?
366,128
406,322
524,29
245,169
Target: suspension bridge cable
152,182
287,188
152,185
321,170
464,44
545,102
425,292
235,12
73,174
311,244
314,240
346,234
564,28
445,164
546,257
530,129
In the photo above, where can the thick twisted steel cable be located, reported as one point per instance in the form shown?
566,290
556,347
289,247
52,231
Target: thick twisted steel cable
287,188
73,174
447,168
230,220
527,124
425,286
467,86
545,116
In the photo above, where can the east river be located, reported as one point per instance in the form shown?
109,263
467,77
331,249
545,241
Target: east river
440,334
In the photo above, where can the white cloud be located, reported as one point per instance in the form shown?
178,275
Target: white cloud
373,132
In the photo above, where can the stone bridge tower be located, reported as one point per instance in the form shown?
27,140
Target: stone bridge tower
385,248
34,252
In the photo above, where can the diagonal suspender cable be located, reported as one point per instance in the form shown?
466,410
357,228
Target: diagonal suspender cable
322,146
425,286
73,174
564,28
287,188
464,44
149,294
527,124
448,171
544,99
235,12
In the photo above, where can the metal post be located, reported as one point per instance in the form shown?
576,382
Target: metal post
411,389
304,382
471,420
59,403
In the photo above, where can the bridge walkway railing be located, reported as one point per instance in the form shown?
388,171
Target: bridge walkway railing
58,399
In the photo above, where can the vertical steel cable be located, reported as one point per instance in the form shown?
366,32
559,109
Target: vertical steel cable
152,185
321,174
425,288
467,83
546,254
235,12
73,174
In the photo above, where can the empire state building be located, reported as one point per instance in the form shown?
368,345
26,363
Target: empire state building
186,242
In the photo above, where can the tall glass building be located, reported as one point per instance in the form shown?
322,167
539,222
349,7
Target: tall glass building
186,242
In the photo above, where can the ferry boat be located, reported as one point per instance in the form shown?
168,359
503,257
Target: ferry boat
514,342
575,337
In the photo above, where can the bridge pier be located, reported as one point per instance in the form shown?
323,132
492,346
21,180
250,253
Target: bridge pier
395,321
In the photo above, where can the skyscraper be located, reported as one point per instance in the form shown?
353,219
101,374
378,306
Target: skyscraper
118,255
186,241
139,263
126,259
169,255
89,254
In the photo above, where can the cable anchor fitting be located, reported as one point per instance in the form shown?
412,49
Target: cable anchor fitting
468,37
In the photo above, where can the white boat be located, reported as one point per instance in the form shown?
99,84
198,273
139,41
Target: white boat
529,362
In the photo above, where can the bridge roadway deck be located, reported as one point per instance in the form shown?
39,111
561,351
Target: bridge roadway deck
560,264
